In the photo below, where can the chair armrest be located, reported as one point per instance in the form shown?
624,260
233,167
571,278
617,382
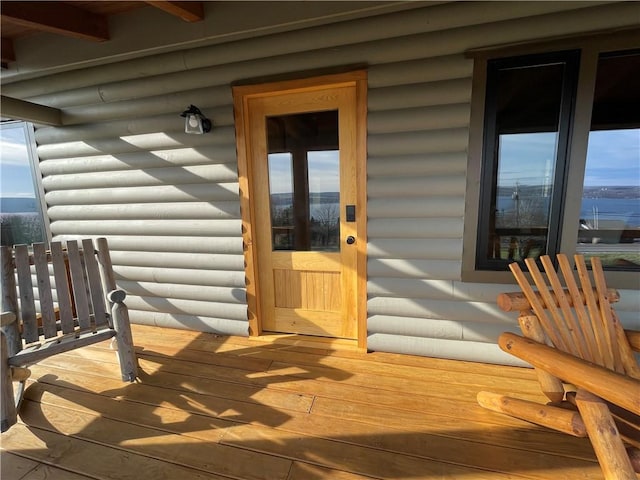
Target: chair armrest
634,339
616,388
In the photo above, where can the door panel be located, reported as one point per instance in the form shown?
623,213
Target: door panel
305,165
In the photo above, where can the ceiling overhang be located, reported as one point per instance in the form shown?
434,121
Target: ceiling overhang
138,29
80,20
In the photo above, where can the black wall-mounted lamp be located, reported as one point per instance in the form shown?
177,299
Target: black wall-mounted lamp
195,122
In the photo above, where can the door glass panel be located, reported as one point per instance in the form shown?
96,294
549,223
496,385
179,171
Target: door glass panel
304,181
610,212
281,193
324,199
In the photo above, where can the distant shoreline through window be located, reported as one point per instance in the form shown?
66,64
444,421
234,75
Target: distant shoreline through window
21,217
528,121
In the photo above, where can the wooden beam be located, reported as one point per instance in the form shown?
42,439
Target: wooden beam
8,54
57,17
32,112
516,301
616,388
187,11
558,418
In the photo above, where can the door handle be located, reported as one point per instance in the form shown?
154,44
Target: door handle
351,240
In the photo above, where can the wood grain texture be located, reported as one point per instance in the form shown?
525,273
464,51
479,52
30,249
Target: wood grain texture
13,466
561,419
604,436
96,290
8,414
27,301
47,314
79,286
9,294
62,279
211,407
575,336
290,283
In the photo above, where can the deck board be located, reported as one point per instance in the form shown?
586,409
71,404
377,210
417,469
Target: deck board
19,468
228,407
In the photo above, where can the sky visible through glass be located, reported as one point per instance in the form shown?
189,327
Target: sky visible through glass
323,172
613,159
15,170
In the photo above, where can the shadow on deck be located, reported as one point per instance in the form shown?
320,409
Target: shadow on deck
209,407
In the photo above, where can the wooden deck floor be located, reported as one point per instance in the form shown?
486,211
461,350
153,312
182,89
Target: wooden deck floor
210,407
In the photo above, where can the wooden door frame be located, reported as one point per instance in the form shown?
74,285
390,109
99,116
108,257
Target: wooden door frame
241,97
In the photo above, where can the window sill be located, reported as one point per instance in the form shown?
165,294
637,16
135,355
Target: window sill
615,279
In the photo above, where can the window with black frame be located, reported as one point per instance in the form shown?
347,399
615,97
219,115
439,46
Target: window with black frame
555,141
528,109
610,208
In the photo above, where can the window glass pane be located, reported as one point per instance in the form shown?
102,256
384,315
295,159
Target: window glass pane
610,212
523,193
324,199
304,181
281,190
20,215
521,160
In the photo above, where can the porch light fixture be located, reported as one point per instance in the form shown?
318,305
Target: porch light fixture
195,122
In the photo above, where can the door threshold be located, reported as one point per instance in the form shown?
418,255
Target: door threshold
310,341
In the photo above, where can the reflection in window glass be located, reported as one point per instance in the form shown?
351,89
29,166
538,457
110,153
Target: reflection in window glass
304,181
324,198
523,193
524,188
20,216
610,212
522,153
281,188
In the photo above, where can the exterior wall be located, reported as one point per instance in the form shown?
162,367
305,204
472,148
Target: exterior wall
168,202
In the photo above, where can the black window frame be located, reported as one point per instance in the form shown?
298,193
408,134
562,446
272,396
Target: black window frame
592,46
571,59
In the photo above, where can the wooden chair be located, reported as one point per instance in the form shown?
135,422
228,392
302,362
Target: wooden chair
583,358
67,313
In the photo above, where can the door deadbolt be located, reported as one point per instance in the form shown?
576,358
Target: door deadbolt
351,240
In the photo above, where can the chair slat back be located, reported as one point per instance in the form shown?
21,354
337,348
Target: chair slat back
578,299
62,279
606,316
47,312
95,283
576,317
624,355
27,301
563,313
68,292
599,323
79,287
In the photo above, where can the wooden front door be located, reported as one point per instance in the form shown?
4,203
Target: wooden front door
304,216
